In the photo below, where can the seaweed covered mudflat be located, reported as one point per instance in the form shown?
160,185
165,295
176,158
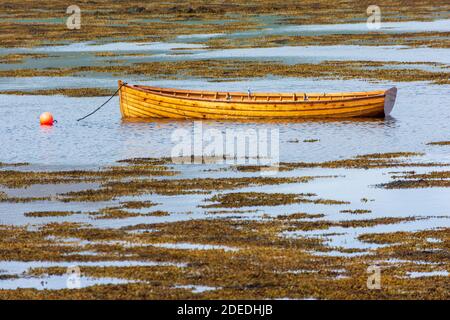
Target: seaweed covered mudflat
32,23
235,69
184,39
353,209
234,237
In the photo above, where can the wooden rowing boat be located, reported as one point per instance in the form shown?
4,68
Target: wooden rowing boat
138,101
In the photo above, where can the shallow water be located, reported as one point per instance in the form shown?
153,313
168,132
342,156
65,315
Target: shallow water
316,54
429,206
442,273
92,46
350,28
421,115
56,282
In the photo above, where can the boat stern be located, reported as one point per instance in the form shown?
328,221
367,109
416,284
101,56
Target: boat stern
389,100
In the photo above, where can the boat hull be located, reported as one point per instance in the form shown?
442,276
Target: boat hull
152,102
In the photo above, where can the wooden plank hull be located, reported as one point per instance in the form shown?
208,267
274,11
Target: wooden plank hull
152,102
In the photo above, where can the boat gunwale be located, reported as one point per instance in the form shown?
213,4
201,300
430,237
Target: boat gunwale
351,96
311,94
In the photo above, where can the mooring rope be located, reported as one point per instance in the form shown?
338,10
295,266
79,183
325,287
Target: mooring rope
90,114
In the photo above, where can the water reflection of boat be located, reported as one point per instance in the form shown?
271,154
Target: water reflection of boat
152,102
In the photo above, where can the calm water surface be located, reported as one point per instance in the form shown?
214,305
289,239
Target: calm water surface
421,115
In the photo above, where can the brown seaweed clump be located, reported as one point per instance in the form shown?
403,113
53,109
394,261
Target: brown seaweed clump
368,161
439,143
20,57
21,179
111,190
253,199
19,164
357,211
137,204
411,180
42,214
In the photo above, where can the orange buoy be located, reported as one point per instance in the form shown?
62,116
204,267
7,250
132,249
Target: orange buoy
46,119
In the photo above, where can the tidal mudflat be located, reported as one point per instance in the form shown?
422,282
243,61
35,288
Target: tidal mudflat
148,228
100,209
